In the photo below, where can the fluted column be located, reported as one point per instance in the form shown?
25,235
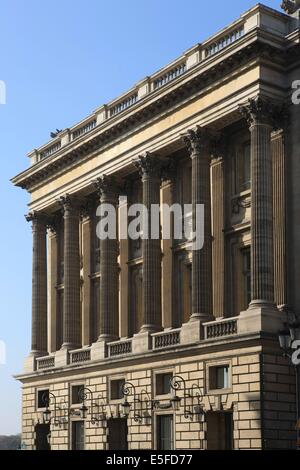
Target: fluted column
72,313
53,235
198,142
218,243
109,268
279,217
260,117
149,167
39,284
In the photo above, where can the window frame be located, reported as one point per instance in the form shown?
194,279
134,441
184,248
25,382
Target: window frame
158,416
164,396
40,389
214,364
109,394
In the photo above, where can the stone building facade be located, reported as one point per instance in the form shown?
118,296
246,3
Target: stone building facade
147,344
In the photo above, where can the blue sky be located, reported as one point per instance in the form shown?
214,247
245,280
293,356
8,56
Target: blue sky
60,60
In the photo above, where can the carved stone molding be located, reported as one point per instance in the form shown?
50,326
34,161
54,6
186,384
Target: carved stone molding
106,186
240,202
148,165
37,218
69,204
54,224
290,6
197,140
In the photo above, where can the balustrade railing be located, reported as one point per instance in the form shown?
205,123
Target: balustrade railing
170,75
47,362
224,41
124,104
82,355
166,339
84,129
119,348
50,150
218,329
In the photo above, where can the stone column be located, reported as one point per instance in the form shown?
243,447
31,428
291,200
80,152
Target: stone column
168,308
149,167
53,236
109,268
279,217
260,115
39,285
218,239
87,247
198,142
72,308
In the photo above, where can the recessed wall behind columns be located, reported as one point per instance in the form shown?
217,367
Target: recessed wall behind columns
293,201
245,398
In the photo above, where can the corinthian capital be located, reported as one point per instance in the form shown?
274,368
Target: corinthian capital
290,6
106,186
37,218
197,140
261,111
148,165
70,205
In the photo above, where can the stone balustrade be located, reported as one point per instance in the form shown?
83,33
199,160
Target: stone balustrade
84,129
162,340
222,328
119,348
224,41
47,362
81,355
166,339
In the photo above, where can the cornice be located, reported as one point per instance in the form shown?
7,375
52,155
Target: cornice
176,93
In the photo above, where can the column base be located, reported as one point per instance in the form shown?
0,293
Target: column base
107,339
193,331
151,329
62,357
98,351
141,342
261,317
70,346
30,361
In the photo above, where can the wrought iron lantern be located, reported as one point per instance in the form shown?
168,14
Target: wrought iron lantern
142,404
192,398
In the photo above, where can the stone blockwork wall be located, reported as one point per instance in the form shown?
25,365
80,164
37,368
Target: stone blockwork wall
279,403
244,397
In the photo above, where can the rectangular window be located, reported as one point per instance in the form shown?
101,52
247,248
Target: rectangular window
183,288
95,246
246,254
60,265
136,299
95,309
116,389
42,398
163,383
59,318
243,168
219,377
165,432
77,435
76,397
